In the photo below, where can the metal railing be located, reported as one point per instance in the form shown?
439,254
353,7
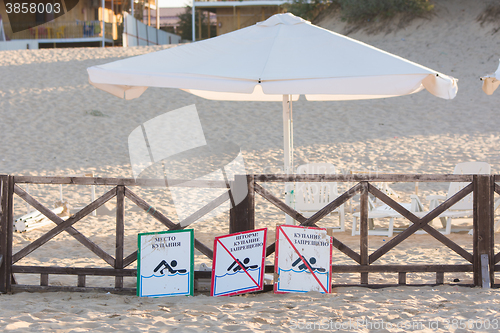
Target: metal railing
63,30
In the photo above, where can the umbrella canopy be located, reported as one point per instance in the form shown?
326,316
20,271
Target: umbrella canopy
491,81
284,55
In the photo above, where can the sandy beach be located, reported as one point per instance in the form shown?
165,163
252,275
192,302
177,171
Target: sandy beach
53,122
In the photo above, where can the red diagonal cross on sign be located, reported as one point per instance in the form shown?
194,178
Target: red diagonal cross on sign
238,262
303,260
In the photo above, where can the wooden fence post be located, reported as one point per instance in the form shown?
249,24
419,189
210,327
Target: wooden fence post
120,212
242,214
3,232
8,191
363,230
483,242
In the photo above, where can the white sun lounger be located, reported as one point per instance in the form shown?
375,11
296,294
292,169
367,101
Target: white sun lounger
311,197
384,211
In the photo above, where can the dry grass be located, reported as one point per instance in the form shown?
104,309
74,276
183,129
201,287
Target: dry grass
491,15
332,9
379,16
384,25
375,25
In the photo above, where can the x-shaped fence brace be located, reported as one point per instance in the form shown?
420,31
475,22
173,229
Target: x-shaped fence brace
418,223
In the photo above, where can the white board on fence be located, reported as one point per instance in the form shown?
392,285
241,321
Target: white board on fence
238,265
165,263
303,259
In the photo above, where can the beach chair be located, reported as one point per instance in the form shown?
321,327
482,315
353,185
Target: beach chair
463,208
311,197
60,31
384,211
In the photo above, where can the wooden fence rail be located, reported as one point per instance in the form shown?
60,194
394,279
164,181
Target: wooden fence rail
242,217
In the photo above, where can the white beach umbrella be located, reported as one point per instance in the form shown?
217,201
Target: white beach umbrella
491,81
275,60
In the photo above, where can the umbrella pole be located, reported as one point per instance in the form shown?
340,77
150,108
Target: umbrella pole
103,25
288,151
193,22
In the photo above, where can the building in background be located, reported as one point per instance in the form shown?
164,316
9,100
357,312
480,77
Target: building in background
137,33
234,15
169,18
81,25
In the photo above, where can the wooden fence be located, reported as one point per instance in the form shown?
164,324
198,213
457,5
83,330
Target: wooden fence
117,263
482,262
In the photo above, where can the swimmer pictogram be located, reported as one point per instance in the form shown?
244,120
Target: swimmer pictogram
164,264
240,265
311,262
